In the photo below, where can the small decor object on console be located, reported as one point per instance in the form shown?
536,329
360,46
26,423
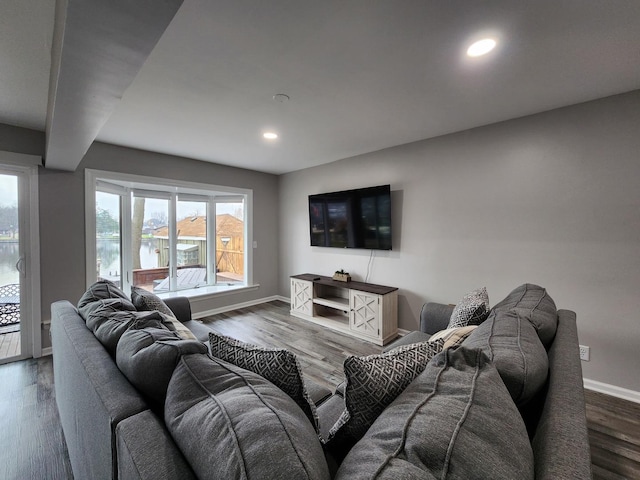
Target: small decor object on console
342,276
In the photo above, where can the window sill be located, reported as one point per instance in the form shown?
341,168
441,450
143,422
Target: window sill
209,291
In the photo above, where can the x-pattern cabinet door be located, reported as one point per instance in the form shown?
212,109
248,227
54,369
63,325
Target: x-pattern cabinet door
302,296
365,313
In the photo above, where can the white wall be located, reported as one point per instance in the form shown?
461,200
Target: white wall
552,199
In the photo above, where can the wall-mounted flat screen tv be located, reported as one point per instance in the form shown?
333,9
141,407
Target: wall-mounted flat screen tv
358,218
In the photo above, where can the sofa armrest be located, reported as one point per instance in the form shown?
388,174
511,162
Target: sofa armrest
91,393
434,317
561,441
181,307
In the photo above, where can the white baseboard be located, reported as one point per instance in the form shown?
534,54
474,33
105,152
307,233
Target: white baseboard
612,390
236,306
47,351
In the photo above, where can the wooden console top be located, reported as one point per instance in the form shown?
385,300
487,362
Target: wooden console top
364,287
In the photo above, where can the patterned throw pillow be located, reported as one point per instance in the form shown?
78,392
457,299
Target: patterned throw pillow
453,336
280,367
145,300
373,382
473,309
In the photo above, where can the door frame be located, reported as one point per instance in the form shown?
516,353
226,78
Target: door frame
26,168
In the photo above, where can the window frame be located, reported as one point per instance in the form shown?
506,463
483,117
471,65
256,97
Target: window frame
123,182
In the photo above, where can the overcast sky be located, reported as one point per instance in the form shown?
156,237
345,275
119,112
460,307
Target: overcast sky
8,190
110,202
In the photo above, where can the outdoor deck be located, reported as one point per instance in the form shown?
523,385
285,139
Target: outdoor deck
9,344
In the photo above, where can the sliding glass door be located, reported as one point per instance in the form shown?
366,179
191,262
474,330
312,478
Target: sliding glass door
17,315
10,259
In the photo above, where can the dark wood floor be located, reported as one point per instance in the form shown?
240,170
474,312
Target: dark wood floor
614,435
320,351
31,440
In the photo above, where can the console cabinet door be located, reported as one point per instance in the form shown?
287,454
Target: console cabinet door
365,313
302,296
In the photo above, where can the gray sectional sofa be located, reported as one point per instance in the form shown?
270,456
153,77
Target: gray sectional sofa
503,404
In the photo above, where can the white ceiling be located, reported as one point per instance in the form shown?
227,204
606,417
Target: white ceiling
362,75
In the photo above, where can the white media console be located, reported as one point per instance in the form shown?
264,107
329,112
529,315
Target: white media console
363,310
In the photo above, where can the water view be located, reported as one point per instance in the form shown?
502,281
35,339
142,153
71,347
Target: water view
108,251
8,259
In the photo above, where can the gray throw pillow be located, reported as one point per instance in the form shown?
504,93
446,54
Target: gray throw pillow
472,309
145,300
373,382
232,423
455,421
533,302
279,366
512,344
147,357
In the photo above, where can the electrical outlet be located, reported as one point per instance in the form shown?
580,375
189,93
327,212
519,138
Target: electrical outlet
584,353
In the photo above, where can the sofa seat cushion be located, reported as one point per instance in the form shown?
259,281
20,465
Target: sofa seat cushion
147,357
232,423
279,366
373,382
534,303
455,421
512,344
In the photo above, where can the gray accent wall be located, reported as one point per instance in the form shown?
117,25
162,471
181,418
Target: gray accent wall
62,225
551,199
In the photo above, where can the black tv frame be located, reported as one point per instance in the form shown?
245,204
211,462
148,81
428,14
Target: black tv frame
358,218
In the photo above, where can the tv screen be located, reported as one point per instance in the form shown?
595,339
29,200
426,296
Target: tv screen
352,219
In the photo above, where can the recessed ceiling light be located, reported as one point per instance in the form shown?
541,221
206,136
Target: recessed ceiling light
481,47
270,135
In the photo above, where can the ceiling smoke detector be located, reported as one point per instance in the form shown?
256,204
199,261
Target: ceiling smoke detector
281,97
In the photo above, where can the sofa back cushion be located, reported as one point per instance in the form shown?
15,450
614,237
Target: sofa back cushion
455,421
512,344
108,325
533,302
232,423
102,290
147,357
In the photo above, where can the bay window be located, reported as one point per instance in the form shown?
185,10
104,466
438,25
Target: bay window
167,236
